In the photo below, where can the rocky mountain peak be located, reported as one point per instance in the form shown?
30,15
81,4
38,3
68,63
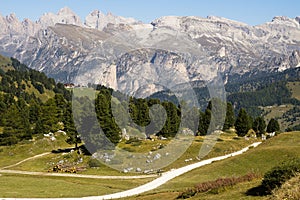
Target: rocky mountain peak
65,11
12,18
13,25
64,16
286,21
99,20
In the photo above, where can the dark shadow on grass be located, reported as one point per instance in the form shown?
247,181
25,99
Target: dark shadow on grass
82,148
257,191
66,150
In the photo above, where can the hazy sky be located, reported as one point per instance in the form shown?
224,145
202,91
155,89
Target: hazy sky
252,12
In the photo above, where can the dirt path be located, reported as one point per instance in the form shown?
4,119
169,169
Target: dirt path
165,177
27,159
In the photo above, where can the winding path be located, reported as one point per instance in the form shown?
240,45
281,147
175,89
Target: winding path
165,177
31,158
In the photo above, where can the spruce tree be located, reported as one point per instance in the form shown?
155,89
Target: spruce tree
204,121
69,127
259,126
273,126
230,118
242,123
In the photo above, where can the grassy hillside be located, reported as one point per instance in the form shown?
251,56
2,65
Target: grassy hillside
288,115
15,153
17,78
227,143
22,186
5,64
259,160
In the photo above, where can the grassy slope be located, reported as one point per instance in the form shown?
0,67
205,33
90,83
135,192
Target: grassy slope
260,159
277,112
224,146
44,97
36,186
12,154
57,186
5,63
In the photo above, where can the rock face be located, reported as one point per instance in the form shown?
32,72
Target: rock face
128,55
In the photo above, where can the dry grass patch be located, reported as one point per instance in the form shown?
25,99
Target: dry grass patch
289,190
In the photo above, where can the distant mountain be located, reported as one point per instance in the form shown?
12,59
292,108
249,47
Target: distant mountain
133,57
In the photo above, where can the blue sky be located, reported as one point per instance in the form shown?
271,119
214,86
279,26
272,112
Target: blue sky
252,12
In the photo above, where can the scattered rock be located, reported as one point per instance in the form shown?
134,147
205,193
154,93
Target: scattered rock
126,170
62,132
148,171
157,156
138,169
188,160
61,162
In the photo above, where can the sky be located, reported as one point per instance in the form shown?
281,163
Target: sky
252,12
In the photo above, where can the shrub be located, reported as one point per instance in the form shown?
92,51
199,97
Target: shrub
280,174
94,163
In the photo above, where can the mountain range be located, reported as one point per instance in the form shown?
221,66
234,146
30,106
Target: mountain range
141,59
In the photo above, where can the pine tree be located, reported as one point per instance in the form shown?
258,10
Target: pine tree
172,123
69,127
204,121
273,126
259,126
48,119
242,123
105,116
230,118
16,124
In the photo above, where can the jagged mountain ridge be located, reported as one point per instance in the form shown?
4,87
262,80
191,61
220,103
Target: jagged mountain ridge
62,46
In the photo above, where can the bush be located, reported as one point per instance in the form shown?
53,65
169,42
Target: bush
39,87
8,141
280,174
94,163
